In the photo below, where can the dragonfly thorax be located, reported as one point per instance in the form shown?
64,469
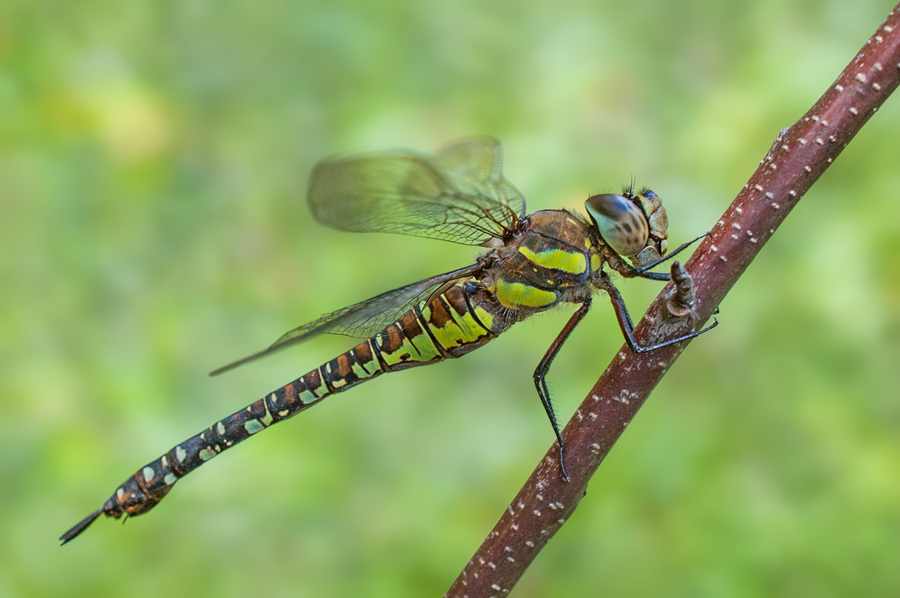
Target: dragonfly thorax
553,257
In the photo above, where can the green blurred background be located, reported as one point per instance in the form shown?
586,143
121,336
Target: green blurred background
153,164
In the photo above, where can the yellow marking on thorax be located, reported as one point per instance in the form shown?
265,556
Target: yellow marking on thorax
596,262
516,294
557,259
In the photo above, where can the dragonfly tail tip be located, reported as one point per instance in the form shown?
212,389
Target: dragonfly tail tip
79,527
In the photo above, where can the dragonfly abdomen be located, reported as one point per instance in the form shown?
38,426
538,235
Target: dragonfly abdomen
451,324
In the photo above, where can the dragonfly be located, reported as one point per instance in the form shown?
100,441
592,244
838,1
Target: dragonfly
530,264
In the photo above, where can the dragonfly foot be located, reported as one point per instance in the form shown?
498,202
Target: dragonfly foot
562,463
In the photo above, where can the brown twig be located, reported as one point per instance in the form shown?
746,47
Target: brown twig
798,157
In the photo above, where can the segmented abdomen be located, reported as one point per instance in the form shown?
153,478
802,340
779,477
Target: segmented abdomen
450,325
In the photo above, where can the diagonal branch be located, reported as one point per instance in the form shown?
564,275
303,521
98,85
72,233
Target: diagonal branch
798,157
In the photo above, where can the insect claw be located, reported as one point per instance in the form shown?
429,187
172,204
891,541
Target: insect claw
562,465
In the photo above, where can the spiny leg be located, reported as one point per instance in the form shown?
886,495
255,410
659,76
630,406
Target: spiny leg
627,325
540,374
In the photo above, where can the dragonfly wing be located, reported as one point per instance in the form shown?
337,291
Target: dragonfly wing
363,319
478,162
457,195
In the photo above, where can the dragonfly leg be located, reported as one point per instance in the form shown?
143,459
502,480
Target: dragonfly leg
627,325
663,276
642,272
540,374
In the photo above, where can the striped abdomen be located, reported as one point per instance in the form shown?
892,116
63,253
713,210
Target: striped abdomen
450,325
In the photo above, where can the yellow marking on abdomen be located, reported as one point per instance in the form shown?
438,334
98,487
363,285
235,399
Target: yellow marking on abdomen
572,262
457,331
516,294
419,349
485,317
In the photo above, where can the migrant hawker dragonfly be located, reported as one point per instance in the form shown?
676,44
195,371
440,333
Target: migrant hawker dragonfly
532,264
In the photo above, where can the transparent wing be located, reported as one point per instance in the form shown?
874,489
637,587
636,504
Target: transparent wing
458,194
363,319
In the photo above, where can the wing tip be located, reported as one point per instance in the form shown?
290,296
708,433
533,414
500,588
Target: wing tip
230,366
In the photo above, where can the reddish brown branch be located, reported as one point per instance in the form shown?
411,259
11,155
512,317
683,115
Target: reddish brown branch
798,157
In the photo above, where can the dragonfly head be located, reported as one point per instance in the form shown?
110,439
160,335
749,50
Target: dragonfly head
634,225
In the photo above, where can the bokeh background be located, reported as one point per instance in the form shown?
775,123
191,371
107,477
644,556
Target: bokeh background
153,164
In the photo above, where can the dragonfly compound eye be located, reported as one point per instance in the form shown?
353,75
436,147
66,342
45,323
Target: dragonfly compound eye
621,223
